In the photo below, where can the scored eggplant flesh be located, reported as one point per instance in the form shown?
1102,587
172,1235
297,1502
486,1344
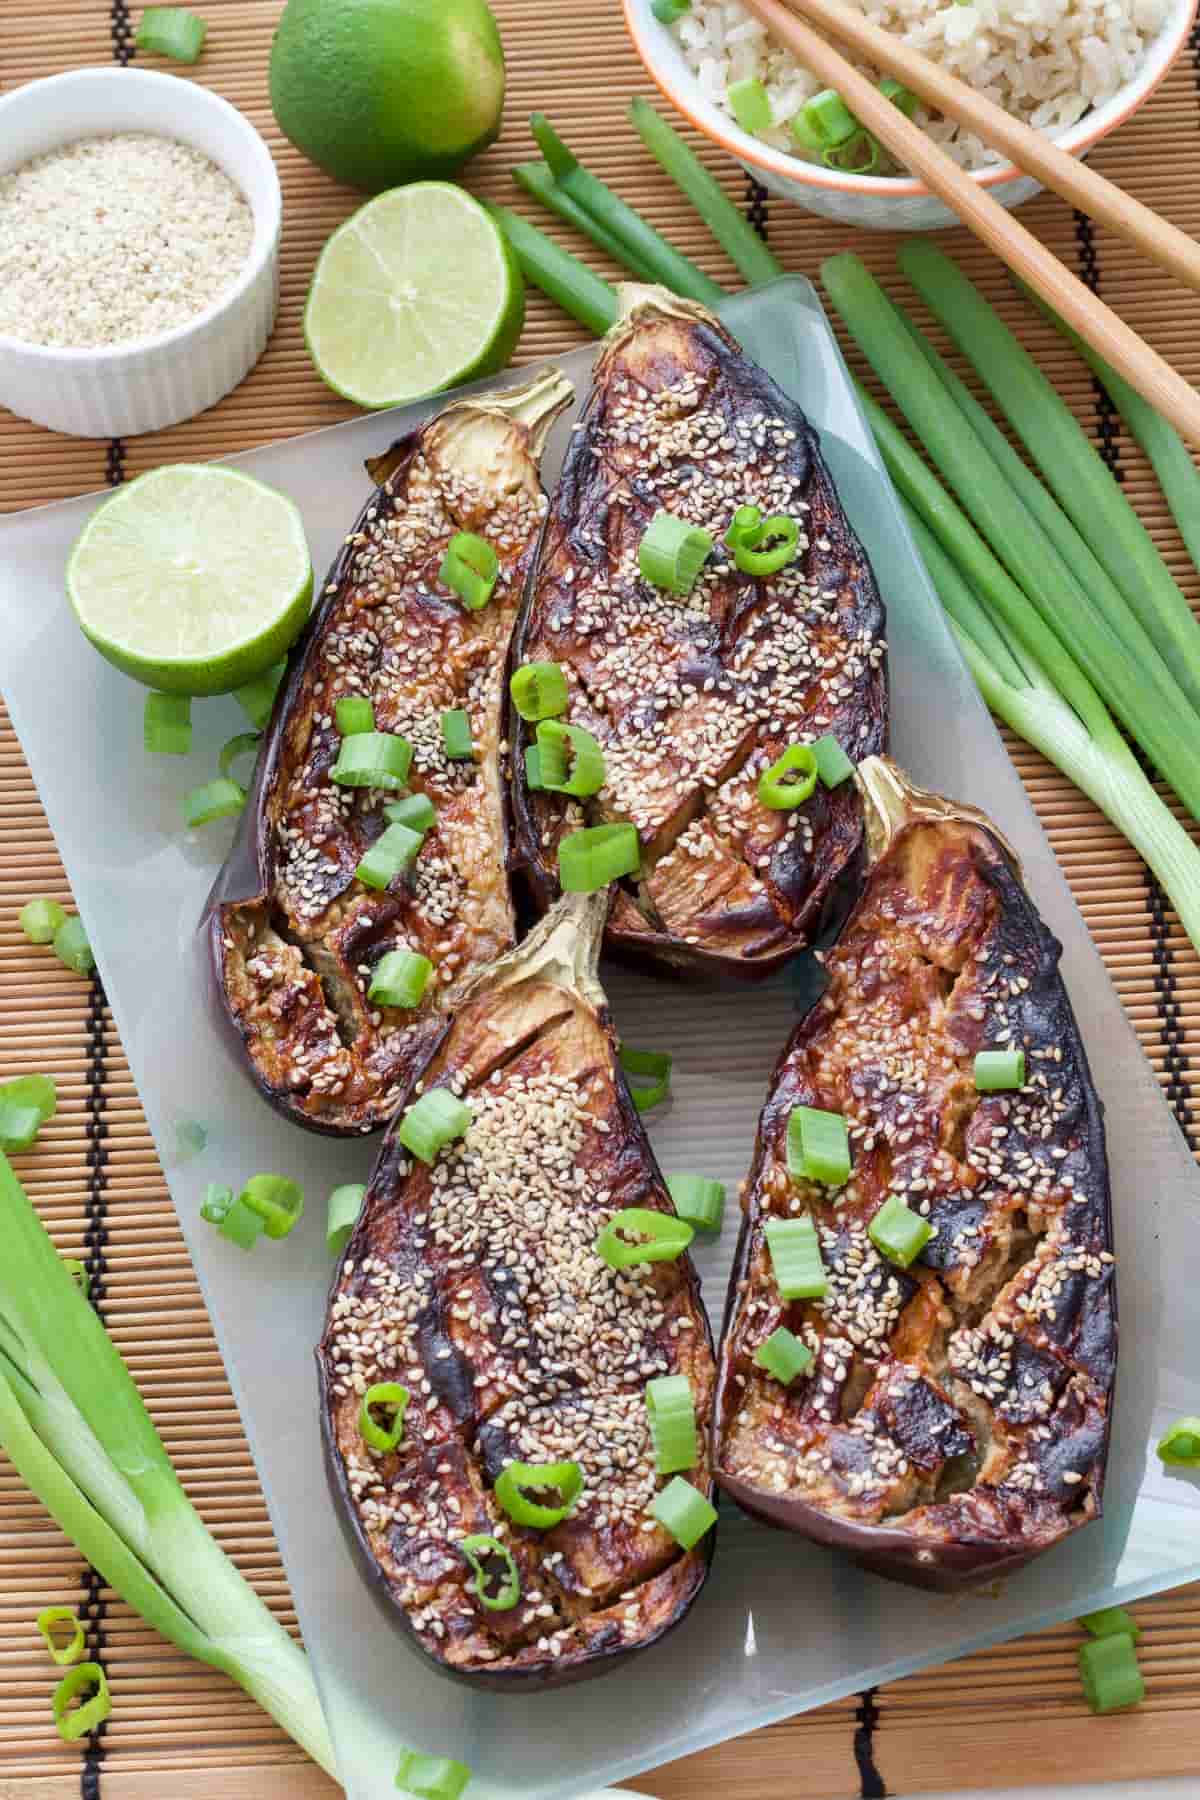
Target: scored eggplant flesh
955,1420
693,697
294,936
475,1283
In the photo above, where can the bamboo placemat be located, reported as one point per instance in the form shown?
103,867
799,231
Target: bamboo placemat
178,1732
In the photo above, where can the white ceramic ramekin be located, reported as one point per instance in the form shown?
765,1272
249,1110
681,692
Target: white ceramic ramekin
119,390
879,203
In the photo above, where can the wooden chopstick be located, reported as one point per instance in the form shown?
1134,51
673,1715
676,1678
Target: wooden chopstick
1026,255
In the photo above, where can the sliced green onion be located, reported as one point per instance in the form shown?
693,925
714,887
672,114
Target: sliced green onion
257,697
1180,1448
638,1234
749,105
859,155
217,1202
570,761
796,1264
672,1411
672,553
352,714
171,31
899,95
278,1202
244,744
537,179
431,1777
79,1275
999,1070
728,224
898,1233
241,1224
569,282
590,859
345,1204
432,1122
539,690
40,919
37,1091
1110,1621
396,850
19,1125
667,11
833,765
72,948
566,1478
481,1549
829,118
806,135
744,528
471,568
219,799
784,1356
818,1146
48,1622
167,724
533,770
388,1397
1108,1668
377,759
683,1511
417,811
75,1722
766,547
651,1066
457,741
779,794
699,1201
400,978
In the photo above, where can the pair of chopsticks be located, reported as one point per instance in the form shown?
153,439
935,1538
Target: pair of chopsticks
1030,150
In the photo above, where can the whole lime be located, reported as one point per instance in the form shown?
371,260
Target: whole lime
379,92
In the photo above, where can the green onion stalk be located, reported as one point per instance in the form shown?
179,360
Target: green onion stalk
76,1431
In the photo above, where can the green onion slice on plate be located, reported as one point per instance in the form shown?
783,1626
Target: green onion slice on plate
833,765
539,691
278,1202
432,1122
897,1233
389,856
374,759
345,1204
471,568
497,1591
998,1071
570,761
653,1068
818,1146
683,1511
431,1777
784,1356
672,553
457,741
770,545
672,1411
699,1201
400,978
519,1479
590,859
245,743
220,799
795,1251
381,1415
352,714
167,724
417,811
1180,1447
776,789
638,1234
257,697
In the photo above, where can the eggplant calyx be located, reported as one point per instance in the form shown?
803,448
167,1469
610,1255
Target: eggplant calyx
563,948
892,801
532,406
639,302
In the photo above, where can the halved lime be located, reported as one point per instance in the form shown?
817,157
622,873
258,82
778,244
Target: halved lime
193,578
416,292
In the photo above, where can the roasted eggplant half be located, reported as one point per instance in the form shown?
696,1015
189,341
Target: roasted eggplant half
953,1419
692,697
475,1283
295,936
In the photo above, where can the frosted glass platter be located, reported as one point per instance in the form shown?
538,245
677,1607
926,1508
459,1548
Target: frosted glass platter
781,1625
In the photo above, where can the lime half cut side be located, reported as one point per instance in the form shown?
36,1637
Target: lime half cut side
416,292
193,578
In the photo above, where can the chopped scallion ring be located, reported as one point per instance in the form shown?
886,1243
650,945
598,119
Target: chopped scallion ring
655,1067
818,1146
744,527
172,31
72,948
570,761
432,1777
396,850
897,1233
1180,1448
672,1411
829,118
241,1224
387,1397
257,697
400,978
539,691
457,741
795,1251
432,1122
1110,1621
417,811
497,1592
40,919
517,1479
75,1722
783,1356
672,553
219,799
683,1511
590,859
533,769
1108,1668
345,1204
833,765
190,1139
750,105
667,11
471,567
776,791
217,1202
353,713
899,95
859,155
999,1071
49,1621
278,1202
805,135
244,744
167,724
656,1237
699,1201
770,546
373,759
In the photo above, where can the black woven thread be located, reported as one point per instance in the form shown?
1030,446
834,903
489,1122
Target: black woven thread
756,206
1171,1028
122,33
871,1785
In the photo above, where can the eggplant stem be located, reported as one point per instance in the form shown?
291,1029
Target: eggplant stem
892,801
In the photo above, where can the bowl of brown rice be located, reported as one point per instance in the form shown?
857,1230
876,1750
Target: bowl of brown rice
139,246
1073,68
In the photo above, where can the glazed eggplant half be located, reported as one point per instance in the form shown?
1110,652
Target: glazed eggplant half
951,1420
474,1283
693,696
295,934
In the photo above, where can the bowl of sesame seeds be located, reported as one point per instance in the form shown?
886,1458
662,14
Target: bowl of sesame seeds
139,244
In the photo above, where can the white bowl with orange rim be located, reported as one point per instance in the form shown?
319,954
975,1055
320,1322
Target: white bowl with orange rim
882,202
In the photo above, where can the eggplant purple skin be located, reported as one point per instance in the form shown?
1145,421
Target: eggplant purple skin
950,1565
